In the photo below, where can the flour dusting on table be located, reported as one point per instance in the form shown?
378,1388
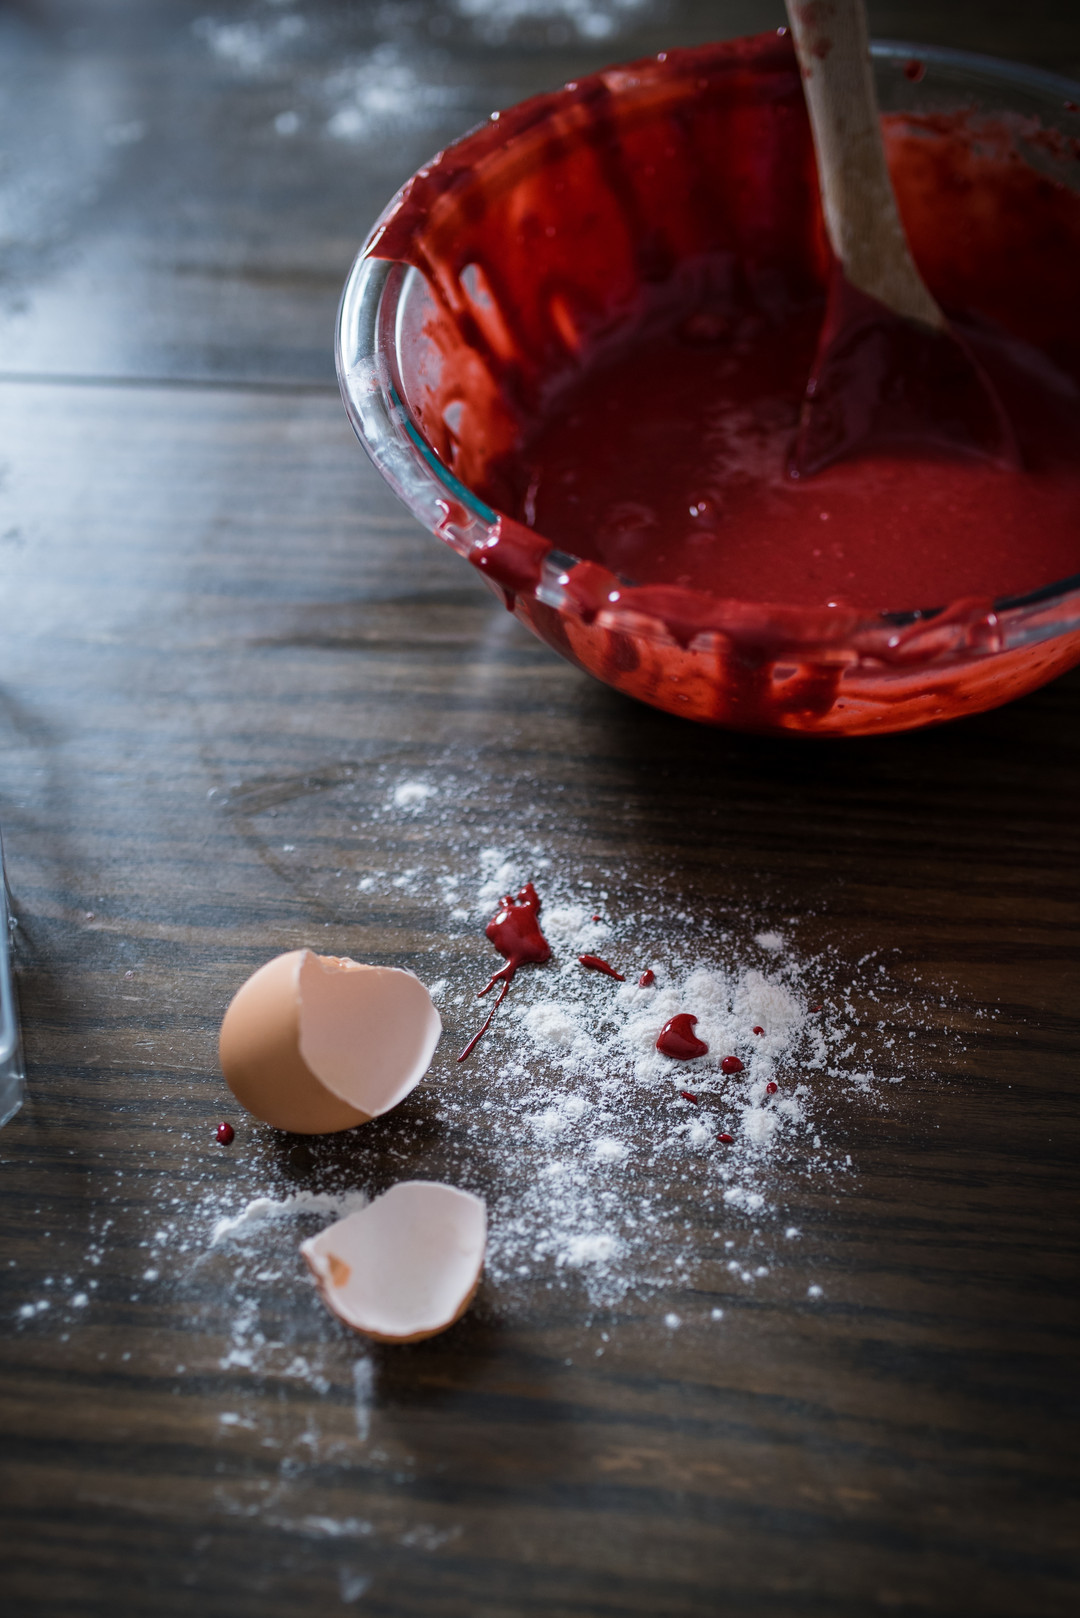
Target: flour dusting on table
601,1157
623,1187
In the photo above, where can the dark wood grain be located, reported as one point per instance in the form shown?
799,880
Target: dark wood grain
223,637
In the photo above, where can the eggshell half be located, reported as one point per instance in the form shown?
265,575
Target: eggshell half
316,1043
407,1265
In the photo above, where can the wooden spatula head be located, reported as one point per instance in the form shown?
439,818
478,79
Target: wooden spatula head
889,371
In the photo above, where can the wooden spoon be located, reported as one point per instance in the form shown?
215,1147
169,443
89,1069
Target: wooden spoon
889,371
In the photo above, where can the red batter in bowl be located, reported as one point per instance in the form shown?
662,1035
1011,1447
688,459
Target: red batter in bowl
601,371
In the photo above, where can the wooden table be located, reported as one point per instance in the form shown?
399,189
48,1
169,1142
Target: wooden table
224,643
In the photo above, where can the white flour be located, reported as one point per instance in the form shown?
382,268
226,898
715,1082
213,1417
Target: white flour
383,91
404,82
253,45
263,1209
497,20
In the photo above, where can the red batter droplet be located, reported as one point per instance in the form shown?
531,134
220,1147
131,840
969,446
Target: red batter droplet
914,70
731,1064
226,1134
757,1030
596,918
817,1008
677,1038
688,1097
595,964
770,1088
728,1140
515,931
647,978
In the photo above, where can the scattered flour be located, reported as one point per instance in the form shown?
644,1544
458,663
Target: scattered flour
599,1174
598,1171
551,1024
250,46
610,1193
366,95
497,20
263,1209
380,91
352,1585
411,794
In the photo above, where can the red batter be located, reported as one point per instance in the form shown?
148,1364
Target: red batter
668,463
514,929
630,331
596,963
677,1038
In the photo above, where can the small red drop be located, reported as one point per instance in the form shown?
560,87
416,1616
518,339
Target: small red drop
770,1088
677,1038
731,1064
595,964
817,1008
515,932
647,978
728,1140
226,1134
688,1097
914,70
757,1030
596,918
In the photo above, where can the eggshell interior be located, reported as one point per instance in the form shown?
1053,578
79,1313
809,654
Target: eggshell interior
407,1265
314,1043
368,1033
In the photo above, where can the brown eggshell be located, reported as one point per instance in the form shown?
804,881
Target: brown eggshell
406,1266
314,1043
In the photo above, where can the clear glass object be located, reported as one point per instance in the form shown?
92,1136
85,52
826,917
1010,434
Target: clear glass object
895,670
12,1071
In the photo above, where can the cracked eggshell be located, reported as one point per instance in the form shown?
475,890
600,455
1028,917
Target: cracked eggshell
316,1043
407,1265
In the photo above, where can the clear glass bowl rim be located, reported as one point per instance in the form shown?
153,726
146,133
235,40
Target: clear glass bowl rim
373,394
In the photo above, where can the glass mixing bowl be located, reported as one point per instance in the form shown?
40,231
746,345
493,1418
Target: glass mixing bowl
739,664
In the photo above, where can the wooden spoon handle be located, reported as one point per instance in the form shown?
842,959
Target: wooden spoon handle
833,47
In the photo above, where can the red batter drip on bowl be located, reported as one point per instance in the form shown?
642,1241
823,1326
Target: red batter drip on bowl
625,335
596,963
677,1038
515,931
